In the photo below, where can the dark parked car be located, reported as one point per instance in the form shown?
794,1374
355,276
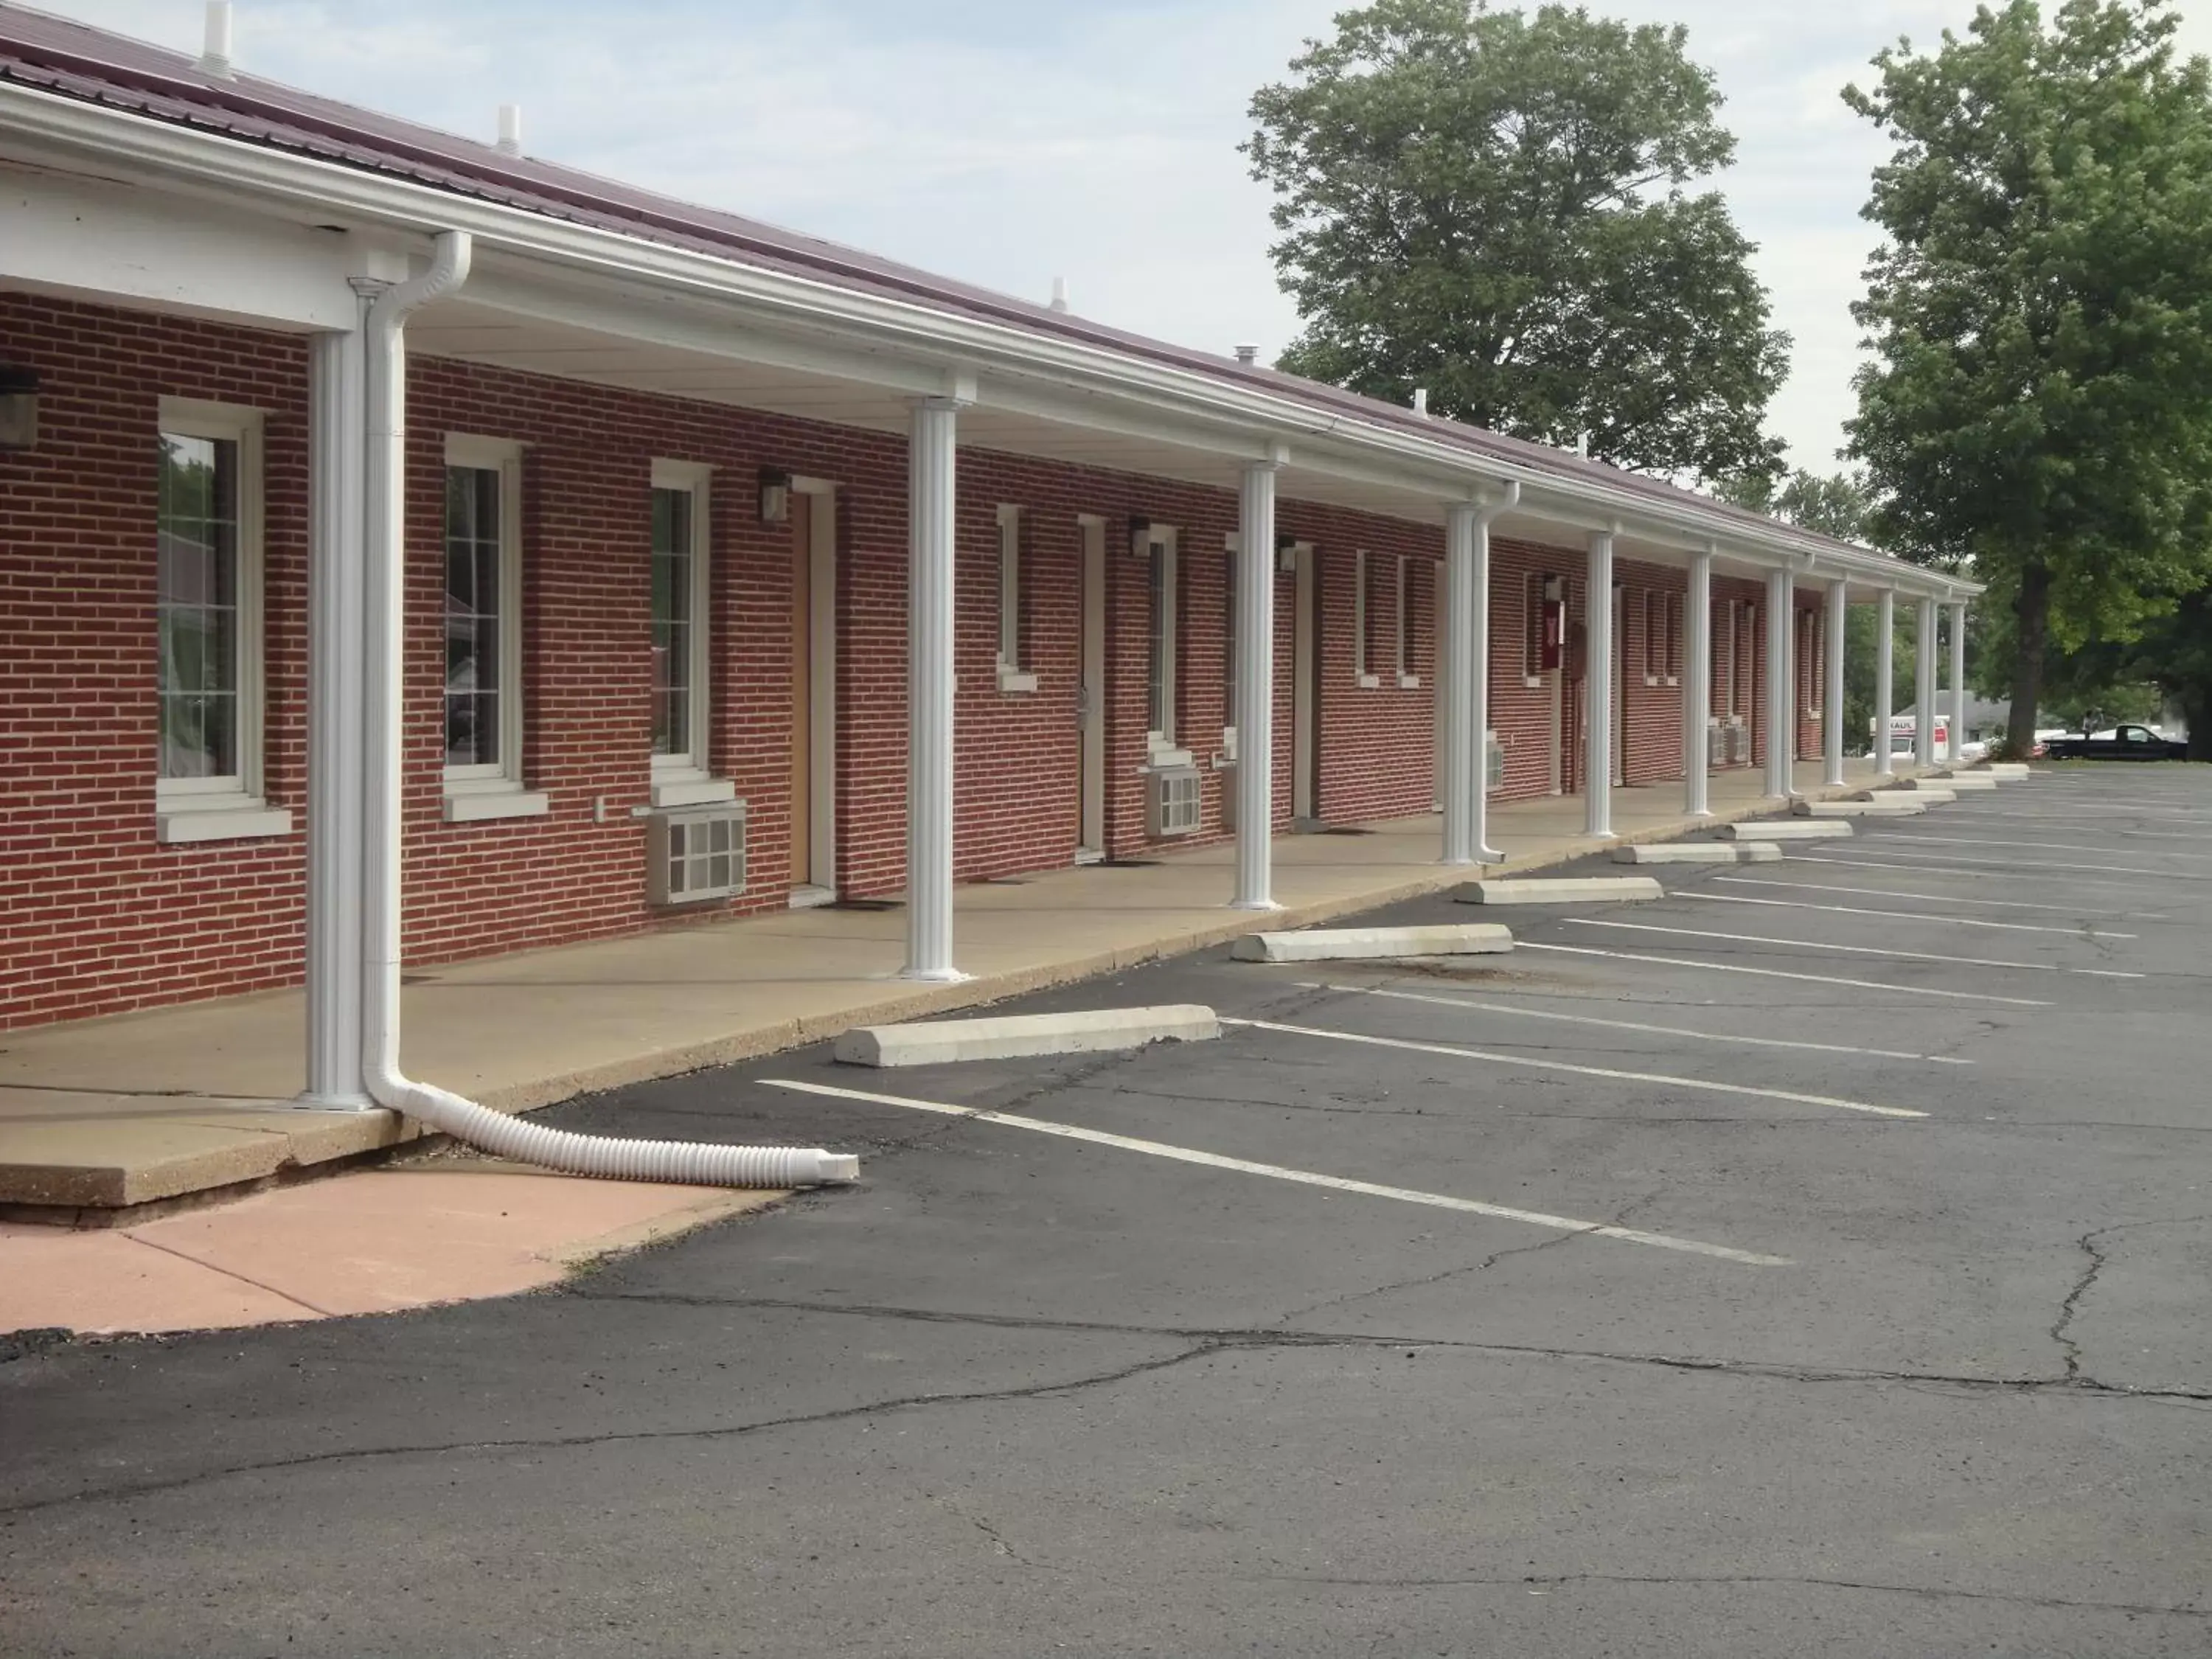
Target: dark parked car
2128,743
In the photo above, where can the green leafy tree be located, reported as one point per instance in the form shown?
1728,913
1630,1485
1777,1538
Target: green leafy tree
1498,208
2040,410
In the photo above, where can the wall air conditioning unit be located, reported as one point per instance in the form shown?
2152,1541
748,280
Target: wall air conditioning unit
1493,762
1739,742
696,854
1172,802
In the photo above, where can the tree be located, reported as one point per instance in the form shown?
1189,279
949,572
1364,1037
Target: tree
1497,207
2039,411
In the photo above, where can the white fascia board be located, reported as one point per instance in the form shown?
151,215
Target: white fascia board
70,235
946,342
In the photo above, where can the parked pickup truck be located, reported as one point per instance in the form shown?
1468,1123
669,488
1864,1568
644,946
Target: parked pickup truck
2128,743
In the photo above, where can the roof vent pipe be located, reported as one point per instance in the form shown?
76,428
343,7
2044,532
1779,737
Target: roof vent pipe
510,129
215,55
1421,401
1059,293
1582,444
1248,354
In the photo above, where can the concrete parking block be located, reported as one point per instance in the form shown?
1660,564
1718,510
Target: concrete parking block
1861,809
1013,1036
1366,944
1786,829
1960,781
1698,852
1933,795
2007,771
1563,889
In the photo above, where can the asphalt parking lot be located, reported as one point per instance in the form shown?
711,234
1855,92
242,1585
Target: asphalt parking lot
1814,1260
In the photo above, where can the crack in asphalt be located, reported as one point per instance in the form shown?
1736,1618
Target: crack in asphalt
1556,1581
1196,1344
2089,1245
1198,1347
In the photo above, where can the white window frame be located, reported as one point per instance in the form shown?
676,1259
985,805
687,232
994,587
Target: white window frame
1361,676
1654,637
1159,542
1807,665
1532,628
1401,635
687,779
1728,710
1013,676
1231,545
1670,665
229,808
476,793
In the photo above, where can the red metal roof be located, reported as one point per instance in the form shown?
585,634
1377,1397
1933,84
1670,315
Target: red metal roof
73,60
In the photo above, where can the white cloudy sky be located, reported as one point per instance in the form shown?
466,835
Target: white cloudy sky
1009,141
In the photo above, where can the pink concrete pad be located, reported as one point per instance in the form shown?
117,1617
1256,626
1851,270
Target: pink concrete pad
104,1282
446,1231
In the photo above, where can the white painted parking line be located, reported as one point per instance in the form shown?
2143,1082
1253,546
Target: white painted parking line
1524,1062
1851,950
2042,847
1898,858
2083,821
1636,1026
1946,898
1893,915
1302,1178
1777,973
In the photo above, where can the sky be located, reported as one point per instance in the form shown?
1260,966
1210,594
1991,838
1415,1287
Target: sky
1009,144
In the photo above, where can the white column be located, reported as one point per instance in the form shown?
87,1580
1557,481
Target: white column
1460,787
1885,670
1597,685
1958,683
1254,646
1780,685
930,452
337,671
1832,694
1924,688
1697,687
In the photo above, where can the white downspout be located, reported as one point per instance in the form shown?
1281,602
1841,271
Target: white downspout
384,583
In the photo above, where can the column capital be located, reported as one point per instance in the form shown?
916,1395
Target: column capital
1273,458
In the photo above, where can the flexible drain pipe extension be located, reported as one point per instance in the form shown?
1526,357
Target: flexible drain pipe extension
385,517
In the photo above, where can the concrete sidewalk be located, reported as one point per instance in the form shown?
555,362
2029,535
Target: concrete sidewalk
101,1116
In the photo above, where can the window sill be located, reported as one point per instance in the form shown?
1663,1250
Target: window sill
1370,682
1409,682
1169,760
1651,679
246,821
1016,679
668,793
1533,681
481,807
1673,679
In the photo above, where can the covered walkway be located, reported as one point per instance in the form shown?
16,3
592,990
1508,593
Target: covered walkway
138,1109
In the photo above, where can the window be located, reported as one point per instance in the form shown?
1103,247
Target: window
1229,649
207,612
1012,675
1404,631
1532,628
1655,636
483,632
1672,661
1807,665
1365,620
1156,544
1727,683
682,681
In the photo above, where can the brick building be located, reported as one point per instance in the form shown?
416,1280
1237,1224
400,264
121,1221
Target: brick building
729,570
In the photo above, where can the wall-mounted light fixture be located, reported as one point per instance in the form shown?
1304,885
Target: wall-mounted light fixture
19,408
775,496
1286,553
1141,534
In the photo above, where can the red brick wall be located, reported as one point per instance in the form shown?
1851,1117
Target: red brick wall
95,916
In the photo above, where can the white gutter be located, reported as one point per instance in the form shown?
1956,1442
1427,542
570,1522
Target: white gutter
384,581
228,165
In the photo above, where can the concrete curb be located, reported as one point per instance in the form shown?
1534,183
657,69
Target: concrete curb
1014,1036
1861,809
1372,943
1569,890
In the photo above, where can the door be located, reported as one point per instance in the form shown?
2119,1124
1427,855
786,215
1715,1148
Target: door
1090,701
813,691
802,690
1305,703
